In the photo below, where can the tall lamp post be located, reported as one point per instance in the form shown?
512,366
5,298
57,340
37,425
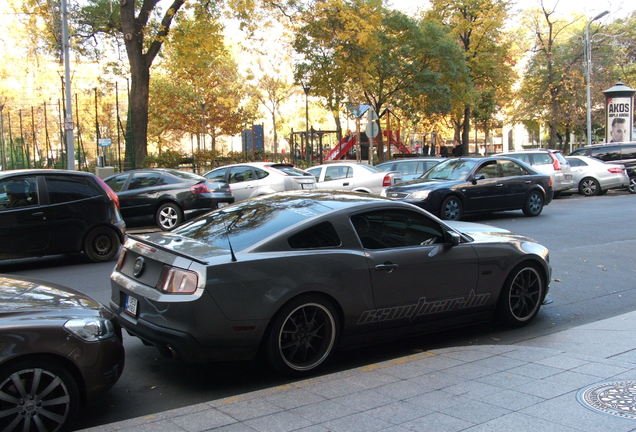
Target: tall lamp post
306,90
588,68
68,116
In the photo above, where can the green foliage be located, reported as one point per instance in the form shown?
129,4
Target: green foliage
167,159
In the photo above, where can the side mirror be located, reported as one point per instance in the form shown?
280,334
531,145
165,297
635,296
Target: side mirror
454,238
478,177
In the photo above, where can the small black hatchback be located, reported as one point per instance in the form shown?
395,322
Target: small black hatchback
45,212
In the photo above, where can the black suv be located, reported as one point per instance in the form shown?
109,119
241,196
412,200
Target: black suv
44,212
621,153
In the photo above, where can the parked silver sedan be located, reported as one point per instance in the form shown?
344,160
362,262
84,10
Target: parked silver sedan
351,176
252,179
595,177
410,169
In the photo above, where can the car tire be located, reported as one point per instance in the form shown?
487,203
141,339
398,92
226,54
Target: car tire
589,186
101,244
534,204
47,399
302,335
451,208
521,296
632,185
169,216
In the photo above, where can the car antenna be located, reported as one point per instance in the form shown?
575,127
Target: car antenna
227,234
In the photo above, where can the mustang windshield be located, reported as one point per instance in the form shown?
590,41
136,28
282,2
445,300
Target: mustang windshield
452,169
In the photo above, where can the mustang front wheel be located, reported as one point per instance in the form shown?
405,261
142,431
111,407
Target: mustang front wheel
302,336
522,295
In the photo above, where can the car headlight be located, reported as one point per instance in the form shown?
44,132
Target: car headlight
421,194
91,329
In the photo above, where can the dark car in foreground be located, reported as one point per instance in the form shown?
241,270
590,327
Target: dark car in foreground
461,186
166,197
45,212
58,349
296,275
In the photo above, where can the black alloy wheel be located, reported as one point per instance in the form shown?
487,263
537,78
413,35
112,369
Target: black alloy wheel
589,187
451,208
534,204
38,398
101,244
302,336
169,216
522,295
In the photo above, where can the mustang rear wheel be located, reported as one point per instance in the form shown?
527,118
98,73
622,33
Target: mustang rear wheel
534,204
302,335
589,187
37,396
521,296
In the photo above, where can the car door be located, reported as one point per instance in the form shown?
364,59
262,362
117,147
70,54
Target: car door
517,181
485,188
417,275
139,199
243,182
74,204
337,177
23,227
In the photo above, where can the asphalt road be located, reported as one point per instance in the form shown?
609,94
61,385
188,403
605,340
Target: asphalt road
593,254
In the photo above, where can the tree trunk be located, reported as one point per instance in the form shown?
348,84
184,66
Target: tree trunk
139,89
275,135
336,118
465,130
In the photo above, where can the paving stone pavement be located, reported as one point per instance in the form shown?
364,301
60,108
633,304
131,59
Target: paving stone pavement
534,386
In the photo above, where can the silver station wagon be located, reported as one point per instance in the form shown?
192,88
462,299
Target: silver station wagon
295,275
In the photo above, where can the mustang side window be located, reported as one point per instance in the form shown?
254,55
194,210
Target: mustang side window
385,229
322,235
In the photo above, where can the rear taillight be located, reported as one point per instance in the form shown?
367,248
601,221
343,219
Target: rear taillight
616,170
199,188
111,194
177,281
555,162
386,181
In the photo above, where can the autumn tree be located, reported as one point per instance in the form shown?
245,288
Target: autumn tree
478,26
272,91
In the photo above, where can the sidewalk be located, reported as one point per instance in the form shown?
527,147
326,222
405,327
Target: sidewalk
541,385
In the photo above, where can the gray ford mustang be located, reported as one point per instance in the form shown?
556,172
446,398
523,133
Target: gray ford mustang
295,275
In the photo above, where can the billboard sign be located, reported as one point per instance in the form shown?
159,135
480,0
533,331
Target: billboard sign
619,119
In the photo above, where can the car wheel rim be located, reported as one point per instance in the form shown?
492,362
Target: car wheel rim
632,185
103,244
307,337
525,294
451,209
168,217
535,203
33,399
589,187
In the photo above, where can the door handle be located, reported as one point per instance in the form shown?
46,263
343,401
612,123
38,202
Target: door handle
528,181
346,184
39,214
499,185
388,267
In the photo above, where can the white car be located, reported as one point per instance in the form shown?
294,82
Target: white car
550,162
595,177
351,176
252,179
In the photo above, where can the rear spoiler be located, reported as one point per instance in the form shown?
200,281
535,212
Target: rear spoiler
165,249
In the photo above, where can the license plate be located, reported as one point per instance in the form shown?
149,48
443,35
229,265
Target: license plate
130,305
307,186
568,176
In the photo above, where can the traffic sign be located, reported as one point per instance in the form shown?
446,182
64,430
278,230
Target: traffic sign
372,129
104,142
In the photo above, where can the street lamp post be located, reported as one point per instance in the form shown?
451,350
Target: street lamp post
588,59
68,116
306,90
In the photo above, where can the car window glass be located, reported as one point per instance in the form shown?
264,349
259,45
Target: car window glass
560,157
143,180
451,169
18,192
396,228
289,170
315,172
628,152
511,168
117,183
388,166
579,152
607,153
260,174
368,168
70,188
337,172
488,170
524,157
186,175
217,174
576,162
408,168
322,235
241,174
541,159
